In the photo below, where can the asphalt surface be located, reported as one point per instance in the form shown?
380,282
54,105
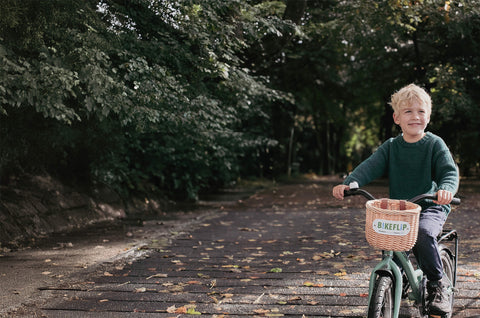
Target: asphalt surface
284,252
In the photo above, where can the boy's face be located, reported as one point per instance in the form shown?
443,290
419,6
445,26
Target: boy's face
413,118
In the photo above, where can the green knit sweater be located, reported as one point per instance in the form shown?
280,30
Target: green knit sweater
425,166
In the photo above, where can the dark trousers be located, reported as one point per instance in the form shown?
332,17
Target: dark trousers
426,250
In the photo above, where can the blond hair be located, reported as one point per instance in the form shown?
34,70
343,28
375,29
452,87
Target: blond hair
408,95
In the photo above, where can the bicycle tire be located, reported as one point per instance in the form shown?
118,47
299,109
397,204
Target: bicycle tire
448,270
382,299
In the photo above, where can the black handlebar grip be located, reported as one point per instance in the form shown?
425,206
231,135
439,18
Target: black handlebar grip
456,201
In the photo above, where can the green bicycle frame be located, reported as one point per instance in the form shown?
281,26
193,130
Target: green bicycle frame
388,265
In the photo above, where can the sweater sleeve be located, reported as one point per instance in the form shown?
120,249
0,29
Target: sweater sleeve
446,174
371,168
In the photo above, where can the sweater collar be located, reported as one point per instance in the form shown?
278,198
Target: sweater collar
425,138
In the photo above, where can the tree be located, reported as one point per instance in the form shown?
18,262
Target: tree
188,95
118,106
365,50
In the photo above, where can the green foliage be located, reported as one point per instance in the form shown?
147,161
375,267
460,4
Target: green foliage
388,44
136,93
190,95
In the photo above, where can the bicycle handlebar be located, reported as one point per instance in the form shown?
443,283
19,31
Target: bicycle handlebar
418,198
355,190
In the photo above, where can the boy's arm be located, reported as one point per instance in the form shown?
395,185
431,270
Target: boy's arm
446,171
447,176
371,168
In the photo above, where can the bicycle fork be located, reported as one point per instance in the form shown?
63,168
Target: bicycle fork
389,267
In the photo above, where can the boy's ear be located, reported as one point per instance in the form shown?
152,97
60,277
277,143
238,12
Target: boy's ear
395,119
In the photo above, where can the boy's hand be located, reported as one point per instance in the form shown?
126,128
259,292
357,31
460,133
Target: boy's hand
338,191
444,197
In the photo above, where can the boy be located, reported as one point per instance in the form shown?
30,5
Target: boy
416,162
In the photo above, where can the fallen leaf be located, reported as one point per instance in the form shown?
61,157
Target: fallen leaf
258,298
212,284
202,275
192,311
181,310
310,284
171,309
248,229
194,282
261,311
157,275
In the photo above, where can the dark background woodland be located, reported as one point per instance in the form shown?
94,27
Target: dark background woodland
187,96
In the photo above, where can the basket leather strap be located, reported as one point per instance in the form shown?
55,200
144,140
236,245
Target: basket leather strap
384,204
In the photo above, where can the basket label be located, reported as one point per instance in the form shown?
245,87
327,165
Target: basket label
389,227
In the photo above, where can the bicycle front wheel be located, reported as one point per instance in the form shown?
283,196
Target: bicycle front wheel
448,270
382,299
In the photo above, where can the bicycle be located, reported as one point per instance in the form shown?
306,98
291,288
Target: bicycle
391,282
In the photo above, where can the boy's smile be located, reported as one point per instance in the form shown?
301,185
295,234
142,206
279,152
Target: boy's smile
413,120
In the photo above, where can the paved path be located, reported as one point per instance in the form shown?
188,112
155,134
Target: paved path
276,260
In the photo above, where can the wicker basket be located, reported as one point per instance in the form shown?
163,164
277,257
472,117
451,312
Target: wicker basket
392,225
